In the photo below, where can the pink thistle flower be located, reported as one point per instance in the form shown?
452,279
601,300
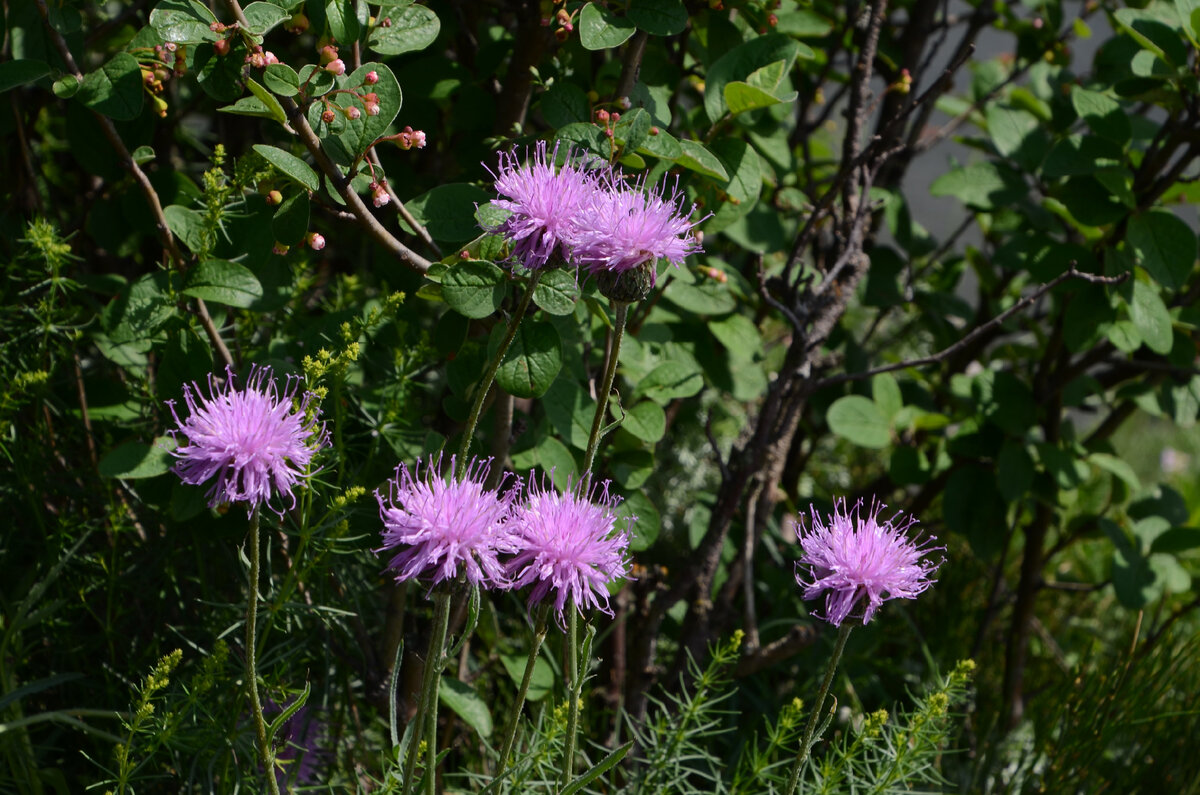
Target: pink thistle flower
623,227
857,559
545,203
440,527
570,545
253,443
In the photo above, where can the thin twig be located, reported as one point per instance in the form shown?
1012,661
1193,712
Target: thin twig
947,352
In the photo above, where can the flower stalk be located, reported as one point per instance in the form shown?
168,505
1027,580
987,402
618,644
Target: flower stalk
806,742
266,754
427,707
610,373
572,668
510,732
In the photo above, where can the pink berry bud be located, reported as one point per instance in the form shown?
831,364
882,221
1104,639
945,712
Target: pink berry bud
316,242
386,22
602,115
216,27
419,139
336,66
624,103
371,97
372,78
372,108
279,249
353,112
328,116
274,197
270,58
221,47
772,20
379,194
616,117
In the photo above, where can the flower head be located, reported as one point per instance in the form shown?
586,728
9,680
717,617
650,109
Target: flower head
252,443
627,226
569,544
857,559
439,527
545,203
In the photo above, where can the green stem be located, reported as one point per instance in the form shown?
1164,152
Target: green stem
510,733
610,373
806,742
573,711
265,753
485,384
427,707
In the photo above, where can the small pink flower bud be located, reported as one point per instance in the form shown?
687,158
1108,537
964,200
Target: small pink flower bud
772,20
353,112
274,197
328,116
170,46
372,108
371,97
624,103
216,27
279,249
328,53
270,58
372,78
419,139
562,34
1038,23
221,47
257,60
336,66
616,117
602,116
386,22
316,242
379,194
563,17
654,131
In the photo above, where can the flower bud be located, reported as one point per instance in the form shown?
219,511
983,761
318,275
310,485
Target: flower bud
328,53
352,112
315,241
336,66
372,78
328,116
279,249
274,197
221,46
372,108
297,24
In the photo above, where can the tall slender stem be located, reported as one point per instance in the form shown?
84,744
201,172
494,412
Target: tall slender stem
806,742
573,711
485,384
510,733
265,753
610,373
427,708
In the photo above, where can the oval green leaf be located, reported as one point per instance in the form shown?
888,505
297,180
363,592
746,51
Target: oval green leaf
223,282
532,361
474,288
859,420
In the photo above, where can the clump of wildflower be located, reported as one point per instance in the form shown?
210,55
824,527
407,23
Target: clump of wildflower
571,545
253,443
859,559
544,202
624,227
441,527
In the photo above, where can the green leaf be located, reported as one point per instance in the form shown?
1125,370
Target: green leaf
115,89
597,770
448,211
1164,245
1014,470
743,97
532,361
584,135
984,186
316,81
19,72
540,683
1150,315
249,106
643,532
462,699
282,79
600,29
570,411
134,460
886,392
142,307
550,456
661,144
1016,133
187,225
474,288
743,188
557,291
1117,466
223,282
696,157
290,223
183,22
633,128
412,29
646,420
1103,114
264,16
802,23
65,87
268,100
1082,155
659,17
739,335
741,61
703,297
670,380
859,420
1124,336
290,166
564,103
343,21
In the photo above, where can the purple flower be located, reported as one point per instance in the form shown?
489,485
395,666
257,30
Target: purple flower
626,226
545,204
301,759
254,443
438,527
857,559
569,544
